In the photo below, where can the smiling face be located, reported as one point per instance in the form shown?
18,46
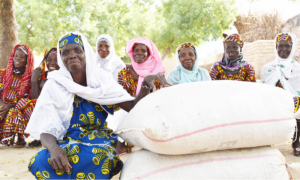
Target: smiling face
232,50
73,57
140,53
20,59
284,49
103,49
51,62
187,58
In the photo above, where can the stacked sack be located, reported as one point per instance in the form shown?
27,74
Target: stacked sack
193,131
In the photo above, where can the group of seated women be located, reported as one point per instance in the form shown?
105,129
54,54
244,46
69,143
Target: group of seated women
85,88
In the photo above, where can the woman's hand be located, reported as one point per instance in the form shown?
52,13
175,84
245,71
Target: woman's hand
59,159
150,79
36,74
4,110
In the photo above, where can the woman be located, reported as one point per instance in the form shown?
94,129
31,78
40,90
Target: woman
39,78
186,70
16,107
145,60
232,66
284,72
107,58
70,113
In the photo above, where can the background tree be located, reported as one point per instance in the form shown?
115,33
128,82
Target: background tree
42,22
8,31
194,21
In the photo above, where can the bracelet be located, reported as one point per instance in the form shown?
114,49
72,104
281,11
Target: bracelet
145,86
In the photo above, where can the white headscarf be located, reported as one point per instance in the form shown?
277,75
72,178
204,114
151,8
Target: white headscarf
53,111
112,63
286,70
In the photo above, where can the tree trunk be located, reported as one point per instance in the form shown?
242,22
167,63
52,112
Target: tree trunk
8,31
168,51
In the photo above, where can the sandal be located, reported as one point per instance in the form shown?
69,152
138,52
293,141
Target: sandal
35,143
297,152
129,148
19,144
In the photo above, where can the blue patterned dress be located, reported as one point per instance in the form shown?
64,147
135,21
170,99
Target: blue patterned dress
89,144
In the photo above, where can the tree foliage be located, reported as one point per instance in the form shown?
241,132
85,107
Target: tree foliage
42,22
194,21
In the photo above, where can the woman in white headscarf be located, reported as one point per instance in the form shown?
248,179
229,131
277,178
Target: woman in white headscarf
284,72
107,58
70,116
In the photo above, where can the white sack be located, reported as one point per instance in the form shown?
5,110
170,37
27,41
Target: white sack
208,116
253,163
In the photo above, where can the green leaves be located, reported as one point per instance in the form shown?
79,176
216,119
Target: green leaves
194,21
42,22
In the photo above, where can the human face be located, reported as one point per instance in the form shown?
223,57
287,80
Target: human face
20,59
232,50
187,58
140,53
103,49
73,57
284,49
51,62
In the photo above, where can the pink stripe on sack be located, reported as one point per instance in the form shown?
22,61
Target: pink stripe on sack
201,162
218,126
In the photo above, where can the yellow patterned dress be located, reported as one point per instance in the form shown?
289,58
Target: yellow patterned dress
89,144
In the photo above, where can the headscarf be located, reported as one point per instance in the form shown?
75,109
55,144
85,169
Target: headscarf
7,78
151,66
235,64
285,37
181,75
112,63
43,63
54,107
286,70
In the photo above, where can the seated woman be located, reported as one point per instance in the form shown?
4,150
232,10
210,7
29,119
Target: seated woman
107,57
16,107
284,72
39,78
70,113
186,70
232,66
145,60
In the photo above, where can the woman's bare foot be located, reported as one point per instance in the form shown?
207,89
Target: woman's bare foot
121,148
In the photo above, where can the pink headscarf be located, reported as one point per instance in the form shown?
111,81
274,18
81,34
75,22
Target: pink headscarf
151,66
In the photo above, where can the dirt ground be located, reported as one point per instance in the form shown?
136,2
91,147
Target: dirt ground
14,161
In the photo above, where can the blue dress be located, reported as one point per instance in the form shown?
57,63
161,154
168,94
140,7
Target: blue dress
89,144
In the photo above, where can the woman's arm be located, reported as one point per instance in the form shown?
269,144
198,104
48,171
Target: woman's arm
148,81
35,91
5,108
58,157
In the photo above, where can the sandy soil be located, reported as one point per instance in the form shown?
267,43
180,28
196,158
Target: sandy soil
14,161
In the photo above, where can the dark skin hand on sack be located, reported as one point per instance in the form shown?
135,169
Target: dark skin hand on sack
20,62
73,57
36,83
232,51
187,58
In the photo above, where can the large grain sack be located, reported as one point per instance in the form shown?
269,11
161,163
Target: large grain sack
253,163
209,116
